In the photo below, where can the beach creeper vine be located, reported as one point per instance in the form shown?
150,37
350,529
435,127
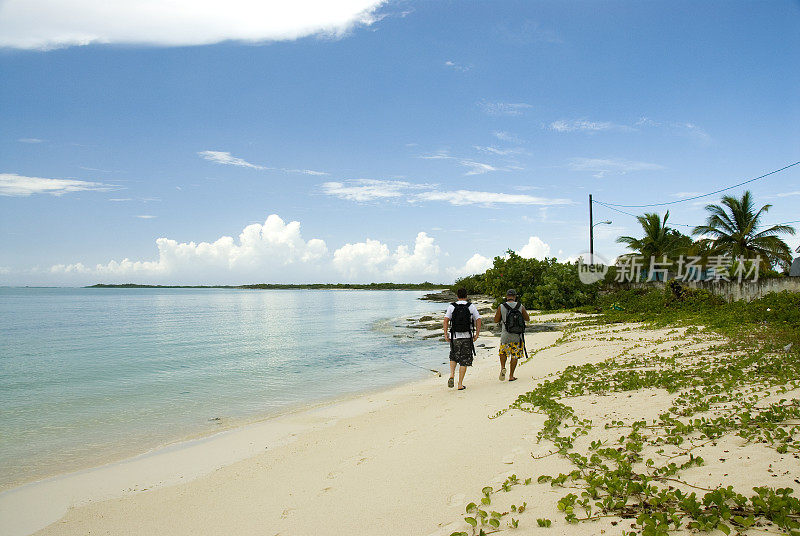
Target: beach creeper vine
719,389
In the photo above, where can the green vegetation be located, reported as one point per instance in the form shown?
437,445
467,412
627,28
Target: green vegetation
309,286
541,284
659,240
734,230
736,381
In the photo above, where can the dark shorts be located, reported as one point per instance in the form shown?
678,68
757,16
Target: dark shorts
461,352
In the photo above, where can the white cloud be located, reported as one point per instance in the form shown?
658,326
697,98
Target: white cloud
457,66
498,151
225,158
474,168
603,166
369,190
120,199
788,194
372,260
30,140
535,249
305,171
263,251
362,190
146,216
506,136
46,24
477,168
12,184
583,125
471,197
504,108
684,195
477,264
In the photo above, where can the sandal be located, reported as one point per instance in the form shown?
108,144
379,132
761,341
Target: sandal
450,382
462,387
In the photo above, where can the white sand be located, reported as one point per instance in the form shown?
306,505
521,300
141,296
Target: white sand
404,461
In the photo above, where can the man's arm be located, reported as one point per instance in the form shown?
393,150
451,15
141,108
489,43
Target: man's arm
498,315
477,329
525,315
446,329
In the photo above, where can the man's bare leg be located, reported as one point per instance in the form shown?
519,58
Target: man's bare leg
513,366
462,370
502,367
452,373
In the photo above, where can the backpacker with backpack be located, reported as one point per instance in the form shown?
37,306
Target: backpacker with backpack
461,322
515,323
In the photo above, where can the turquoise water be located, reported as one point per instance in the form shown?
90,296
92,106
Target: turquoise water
90,375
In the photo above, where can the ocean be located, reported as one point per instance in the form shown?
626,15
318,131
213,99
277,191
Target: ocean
89,376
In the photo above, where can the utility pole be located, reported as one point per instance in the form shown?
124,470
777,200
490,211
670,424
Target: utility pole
591,233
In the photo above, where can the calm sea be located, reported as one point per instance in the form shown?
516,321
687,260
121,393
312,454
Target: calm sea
91,375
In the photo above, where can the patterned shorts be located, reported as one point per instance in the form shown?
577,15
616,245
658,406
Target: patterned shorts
512,349
461,352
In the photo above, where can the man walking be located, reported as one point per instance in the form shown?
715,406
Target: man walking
462,325
512,317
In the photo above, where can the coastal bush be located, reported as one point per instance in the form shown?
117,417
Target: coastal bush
541,284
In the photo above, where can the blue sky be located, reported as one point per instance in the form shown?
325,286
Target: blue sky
408,140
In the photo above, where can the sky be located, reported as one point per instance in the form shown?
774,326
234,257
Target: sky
202,142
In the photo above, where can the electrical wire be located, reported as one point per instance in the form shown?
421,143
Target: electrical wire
609,205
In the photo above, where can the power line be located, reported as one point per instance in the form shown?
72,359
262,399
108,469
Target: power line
609,205
634,215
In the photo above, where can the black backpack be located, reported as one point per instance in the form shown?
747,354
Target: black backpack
461,320
515,322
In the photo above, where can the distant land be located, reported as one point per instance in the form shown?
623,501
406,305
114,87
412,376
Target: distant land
310,286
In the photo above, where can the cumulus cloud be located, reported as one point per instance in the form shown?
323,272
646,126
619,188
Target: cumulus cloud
262,251
372,260
477,264
274,251
536,248
604,166
46,24
15,185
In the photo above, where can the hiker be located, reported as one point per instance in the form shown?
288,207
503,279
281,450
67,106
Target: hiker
462,325
511,315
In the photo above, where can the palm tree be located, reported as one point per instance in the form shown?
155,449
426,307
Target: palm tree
733,229
658,240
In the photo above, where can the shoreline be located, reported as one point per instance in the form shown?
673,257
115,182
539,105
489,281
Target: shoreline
180,461
408,459
70,488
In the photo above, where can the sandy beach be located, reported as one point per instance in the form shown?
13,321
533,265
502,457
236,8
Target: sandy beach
402,461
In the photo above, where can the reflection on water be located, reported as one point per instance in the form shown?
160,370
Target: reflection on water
91,374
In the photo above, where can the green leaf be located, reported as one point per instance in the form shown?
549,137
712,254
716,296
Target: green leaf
494,522
471,506
472,521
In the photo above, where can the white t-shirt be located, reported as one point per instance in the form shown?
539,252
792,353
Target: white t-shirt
473,311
